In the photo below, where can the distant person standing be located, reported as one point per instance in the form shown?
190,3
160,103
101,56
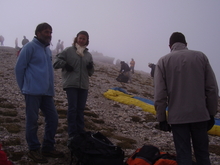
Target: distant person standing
152,66
16,43
51,45
58,46
24,41
76,63
34,75
16,47
185,83
2,40
132,64
61,46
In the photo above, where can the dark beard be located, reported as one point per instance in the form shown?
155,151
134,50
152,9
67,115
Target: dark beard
43,41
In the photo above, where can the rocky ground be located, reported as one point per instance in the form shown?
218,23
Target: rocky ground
127,126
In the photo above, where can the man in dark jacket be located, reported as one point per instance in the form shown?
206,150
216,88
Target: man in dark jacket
185,83
125,70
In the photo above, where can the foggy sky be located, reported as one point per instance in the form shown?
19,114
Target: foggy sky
123,29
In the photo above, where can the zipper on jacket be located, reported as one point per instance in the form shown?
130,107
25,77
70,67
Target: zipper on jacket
80,72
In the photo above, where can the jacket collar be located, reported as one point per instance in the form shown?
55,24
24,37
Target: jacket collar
76,48
178,46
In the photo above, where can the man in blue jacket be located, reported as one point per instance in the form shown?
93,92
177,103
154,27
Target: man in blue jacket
34,75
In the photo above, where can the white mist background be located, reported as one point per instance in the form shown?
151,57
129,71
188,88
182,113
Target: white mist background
122,29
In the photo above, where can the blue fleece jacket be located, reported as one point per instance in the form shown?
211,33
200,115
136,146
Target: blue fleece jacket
34,71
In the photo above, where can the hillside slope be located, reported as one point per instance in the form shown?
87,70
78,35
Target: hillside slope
125,125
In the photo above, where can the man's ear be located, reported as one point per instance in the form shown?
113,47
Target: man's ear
38,33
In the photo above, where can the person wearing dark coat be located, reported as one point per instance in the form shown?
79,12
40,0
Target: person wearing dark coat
125,70
24,41
152,66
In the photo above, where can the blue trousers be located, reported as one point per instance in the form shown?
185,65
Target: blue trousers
75,115
183,135
46,105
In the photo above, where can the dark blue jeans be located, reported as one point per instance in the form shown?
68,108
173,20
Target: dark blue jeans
75,115
183,134
46,105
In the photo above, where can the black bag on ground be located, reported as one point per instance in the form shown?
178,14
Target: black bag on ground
94,149
122,78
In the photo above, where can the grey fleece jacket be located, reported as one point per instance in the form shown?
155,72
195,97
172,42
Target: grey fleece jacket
79,77
185,82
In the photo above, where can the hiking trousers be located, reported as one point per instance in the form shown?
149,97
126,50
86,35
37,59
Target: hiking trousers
77,98
183,134
46,105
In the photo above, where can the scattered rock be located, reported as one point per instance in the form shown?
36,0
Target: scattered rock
125,125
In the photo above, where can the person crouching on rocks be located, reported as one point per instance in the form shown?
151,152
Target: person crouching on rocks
125,69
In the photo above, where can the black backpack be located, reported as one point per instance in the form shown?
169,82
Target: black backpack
94,149
122,78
